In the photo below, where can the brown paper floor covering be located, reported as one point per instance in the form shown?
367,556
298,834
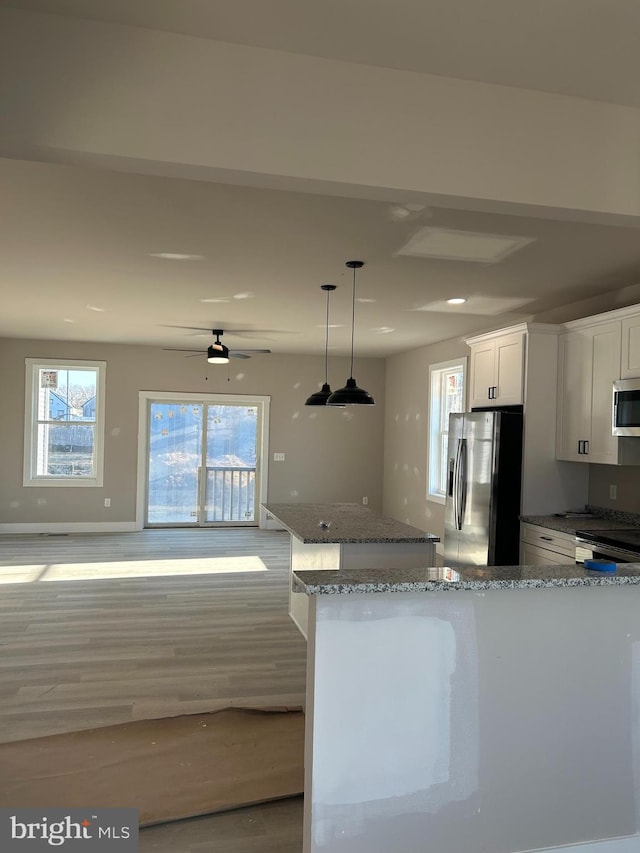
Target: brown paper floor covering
168,769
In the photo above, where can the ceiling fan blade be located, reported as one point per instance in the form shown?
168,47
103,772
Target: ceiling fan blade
250,350
205,332
223,329
192,328
176,349
238,355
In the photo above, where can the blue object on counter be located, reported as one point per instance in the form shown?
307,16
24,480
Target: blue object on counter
600,565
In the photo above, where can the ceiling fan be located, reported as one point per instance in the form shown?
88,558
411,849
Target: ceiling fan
217,352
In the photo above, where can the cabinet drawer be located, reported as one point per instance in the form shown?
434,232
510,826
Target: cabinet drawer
532,555
551,540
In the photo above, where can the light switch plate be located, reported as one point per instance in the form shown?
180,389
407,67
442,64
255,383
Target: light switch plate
278,457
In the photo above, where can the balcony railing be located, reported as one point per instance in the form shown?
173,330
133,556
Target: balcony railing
229,494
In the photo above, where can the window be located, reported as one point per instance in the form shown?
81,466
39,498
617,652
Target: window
64,423
446,395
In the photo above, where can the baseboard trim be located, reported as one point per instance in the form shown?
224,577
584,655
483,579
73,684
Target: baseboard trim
71,527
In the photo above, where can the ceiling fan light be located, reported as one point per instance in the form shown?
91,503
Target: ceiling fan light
217,354
351,395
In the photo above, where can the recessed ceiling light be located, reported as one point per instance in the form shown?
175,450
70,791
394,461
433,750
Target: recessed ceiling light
383,330
329,326
217,299
68,320
95,308
482,305
456,300
365,299
452,245
175,256
246,295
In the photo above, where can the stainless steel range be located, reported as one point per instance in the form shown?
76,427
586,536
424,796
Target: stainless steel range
621,546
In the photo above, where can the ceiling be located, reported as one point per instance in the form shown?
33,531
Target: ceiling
79,244
586,48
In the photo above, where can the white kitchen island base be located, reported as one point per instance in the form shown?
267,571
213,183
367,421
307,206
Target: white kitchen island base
347,536
473,720
365,555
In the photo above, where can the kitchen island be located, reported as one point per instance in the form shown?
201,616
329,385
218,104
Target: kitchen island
484,710
347,536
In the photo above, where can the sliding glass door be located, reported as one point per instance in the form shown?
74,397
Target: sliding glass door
203,462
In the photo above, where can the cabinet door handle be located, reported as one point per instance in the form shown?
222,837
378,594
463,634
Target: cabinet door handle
489,397
547,538
579,448
495,392
586,448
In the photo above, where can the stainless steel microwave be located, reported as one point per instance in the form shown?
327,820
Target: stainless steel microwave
626,407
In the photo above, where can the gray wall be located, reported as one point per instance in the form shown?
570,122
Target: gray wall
626,478
331,454
406,435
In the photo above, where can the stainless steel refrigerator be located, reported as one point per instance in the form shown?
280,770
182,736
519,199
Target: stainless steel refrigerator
483,490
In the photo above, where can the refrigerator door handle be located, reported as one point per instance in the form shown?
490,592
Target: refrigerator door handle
462,479
456,485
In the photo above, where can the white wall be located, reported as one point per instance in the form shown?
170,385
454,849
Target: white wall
406,435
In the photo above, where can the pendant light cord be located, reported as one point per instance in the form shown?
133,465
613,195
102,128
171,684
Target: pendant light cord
326,344
353,319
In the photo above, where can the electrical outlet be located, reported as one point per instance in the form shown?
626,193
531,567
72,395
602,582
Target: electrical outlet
365,501
278,457
613,492
107,501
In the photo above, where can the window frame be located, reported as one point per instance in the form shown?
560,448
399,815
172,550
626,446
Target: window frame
32,368
436,431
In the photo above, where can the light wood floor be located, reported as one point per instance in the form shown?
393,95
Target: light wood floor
103,629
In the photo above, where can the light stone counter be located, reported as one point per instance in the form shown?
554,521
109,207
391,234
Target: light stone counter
598,518
349,523
365,581
571,524
355,537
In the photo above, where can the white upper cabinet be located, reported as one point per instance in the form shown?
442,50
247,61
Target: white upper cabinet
589,363
630,367
497,370
574,396
518,365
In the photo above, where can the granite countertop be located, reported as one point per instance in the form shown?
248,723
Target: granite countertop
609,520
476,579
348,523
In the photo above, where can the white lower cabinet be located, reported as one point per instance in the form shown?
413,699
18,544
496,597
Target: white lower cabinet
540,545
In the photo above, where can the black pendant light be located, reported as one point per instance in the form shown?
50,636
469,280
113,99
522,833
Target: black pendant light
320,397
351,395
